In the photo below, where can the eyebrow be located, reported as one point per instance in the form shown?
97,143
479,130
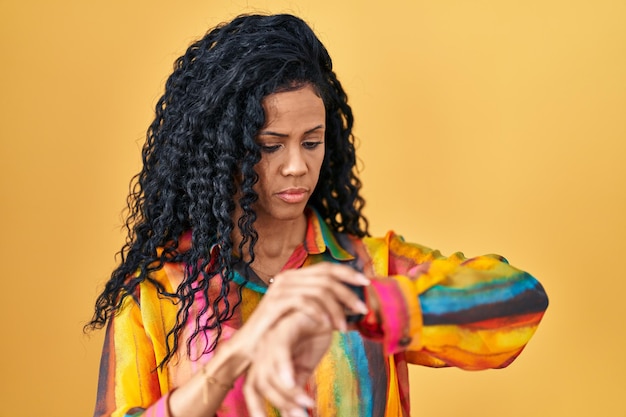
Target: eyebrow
284,135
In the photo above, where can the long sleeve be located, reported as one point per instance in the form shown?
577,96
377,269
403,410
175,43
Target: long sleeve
129,382
472,313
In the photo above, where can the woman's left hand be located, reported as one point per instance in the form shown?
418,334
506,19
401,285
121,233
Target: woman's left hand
284,361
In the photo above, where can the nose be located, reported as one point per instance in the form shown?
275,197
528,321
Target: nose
295,163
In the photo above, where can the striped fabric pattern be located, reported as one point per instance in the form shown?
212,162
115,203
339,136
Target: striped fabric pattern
437,311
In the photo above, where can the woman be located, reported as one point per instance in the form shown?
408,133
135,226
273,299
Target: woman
247,246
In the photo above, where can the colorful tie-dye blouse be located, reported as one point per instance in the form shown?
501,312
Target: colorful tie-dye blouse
436,311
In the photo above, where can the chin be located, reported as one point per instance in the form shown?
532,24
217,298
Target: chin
291,213
287,213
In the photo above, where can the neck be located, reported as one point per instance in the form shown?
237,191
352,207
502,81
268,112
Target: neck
276,242
277,239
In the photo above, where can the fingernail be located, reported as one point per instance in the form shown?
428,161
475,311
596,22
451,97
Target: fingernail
363,279
305,401
286,377
360,307
296,412
342,326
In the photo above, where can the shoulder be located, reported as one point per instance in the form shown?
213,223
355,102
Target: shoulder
396,245
165,275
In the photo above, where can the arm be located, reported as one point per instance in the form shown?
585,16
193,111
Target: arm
473,313
130,382
120,364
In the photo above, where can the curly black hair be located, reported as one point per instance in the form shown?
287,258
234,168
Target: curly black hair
201,152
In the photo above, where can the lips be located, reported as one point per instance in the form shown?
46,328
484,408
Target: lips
293,195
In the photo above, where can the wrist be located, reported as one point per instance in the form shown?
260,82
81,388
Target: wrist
203,394
232,359
370,324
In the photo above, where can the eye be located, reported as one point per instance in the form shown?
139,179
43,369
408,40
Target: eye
269,148
311,144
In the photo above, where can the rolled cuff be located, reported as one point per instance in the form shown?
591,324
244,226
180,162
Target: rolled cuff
161,408
394,316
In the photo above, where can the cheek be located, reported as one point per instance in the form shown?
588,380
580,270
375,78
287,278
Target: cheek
319,161
262,170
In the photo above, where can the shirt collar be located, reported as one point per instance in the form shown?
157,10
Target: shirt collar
320,237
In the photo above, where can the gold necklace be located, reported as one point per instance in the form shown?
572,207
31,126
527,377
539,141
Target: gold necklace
269,278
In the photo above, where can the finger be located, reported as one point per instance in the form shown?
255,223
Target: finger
299,289
333,275
321,287
293,413
299,393
276,384
264,319
333,298
316,304
271,310
343,273
281,389
317,314
254,400
279,397
298,410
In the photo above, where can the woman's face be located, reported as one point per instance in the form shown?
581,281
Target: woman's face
292,152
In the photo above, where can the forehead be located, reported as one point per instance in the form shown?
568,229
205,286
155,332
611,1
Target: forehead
303,104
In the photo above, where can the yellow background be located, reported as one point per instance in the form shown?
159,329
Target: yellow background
484,126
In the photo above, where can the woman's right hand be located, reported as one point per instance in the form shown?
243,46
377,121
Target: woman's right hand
319,291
